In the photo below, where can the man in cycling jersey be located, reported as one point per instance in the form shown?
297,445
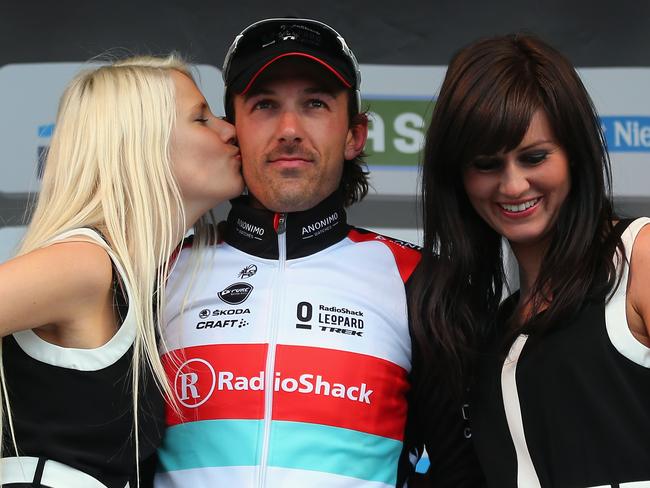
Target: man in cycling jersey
291,354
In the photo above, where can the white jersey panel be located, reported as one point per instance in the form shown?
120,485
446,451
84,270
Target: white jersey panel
232,294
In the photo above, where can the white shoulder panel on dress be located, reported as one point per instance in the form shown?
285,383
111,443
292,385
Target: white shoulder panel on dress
615,310
84,359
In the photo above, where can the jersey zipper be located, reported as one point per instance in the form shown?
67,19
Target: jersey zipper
269,373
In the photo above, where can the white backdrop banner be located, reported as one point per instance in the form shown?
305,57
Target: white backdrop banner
399,98
29,96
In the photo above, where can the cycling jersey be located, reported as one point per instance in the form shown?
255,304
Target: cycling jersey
289,350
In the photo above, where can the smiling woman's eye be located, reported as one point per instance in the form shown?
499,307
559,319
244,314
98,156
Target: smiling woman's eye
485,163
202,120
535,157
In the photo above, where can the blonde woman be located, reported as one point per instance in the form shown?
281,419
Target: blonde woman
136,159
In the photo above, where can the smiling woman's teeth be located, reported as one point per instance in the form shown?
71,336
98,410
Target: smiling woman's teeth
519,208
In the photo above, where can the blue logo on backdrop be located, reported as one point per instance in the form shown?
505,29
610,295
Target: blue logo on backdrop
41,152
45,130
627,133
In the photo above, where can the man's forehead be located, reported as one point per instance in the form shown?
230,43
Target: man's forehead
314,77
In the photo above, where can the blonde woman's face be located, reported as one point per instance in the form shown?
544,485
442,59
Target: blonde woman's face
206,162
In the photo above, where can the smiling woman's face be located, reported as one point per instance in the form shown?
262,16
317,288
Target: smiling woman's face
520,193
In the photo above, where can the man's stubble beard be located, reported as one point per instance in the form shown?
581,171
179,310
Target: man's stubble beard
291,193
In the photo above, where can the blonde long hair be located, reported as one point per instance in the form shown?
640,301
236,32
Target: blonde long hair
109,167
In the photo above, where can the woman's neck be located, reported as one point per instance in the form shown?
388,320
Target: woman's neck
529,258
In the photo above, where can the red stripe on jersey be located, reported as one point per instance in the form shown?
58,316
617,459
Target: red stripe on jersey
310,384
406,257
341,389
195,374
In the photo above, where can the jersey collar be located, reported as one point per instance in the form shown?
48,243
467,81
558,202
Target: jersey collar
255,231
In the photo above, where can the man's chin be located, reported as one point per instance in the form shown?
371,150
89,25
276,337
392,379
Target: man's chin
291,200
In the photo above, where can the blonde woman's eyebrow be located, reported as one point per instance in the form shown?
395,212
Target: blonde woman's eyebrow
199,107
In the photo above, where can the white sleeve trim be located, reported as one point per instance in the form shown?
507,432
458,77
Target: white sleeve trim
615,310
84,359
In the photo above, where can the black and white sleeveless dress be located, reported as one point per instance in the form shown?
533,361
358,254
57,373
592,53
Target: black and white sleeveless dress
572,409
72,409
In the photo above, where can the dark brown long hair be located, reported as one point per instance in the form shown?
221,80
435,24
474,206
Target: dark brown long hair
490,92
354,179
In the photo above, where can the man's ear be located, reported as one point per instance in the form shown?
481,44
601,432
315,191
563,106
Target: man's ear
357,136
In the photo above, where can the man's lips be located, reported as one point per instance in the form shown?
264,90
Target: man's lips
292,161
292,157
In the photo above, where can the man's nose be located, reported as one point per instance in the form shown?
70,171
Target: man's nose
289,126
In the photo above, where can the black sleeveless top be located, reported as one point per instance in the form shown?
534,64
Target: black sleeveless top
75,406
571,408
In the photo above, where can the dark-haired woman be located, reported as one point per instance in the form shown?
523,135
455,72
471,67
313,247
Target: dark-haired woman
561,394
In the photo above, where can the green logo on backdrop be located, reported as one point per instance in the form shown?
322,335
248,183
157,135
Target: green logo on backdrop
396,130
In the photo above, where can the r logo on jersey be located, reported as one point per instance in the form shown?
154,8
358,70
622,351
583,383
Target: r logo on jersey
194,383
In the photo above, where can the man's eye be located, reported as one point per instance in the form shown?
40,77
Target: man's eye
486,163
316,103
262,105
534,157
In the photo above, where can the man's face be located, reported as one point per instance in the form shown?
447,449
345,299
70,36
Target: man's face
294,135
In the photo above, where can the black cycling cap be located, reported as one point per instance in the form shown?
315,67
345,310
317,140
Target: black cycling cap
261,44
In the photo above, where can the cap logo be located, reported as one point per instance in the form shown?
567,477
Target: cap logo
286,34
294,33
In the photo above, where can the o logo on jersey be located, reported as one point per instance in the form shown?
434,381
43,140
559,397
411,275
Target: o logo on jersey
194,383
